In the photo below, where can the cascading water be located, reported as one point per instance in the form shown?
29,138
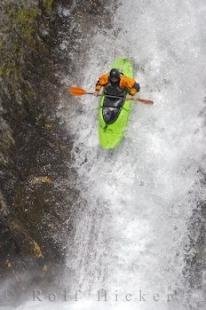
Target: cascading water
132,227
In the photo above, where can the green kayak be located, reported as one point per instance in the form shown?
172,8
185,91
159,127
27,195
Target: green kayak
112,133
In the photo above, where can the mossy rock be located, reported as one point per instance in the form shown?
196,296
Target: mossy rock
48,4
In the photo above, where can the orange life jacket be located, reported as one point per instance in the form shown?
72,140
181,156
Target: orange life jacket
126,82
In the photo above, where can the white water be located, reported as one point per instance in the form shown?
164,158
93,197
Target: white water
132,230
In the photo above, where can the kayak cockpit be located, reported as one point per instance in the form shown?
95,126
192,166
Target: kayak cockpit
111,108
112,103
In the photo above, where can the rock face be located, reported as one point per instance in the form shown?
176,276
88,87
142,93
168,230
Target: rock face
35,149
37,187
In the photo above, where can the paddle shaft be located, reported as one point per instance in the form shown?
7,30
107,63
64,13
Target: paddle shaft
78,91
92,93
130,98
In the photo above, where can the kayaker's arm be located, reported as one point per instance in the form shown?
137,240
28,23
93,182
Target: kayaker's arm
98,86
97,89
137,86
98,92
130,84
102,81
135,89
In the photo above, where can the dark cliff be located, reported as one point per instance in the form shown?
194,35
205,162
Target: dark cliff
36,184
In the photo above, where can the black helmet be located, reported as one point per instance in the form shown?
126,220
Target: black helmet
114,76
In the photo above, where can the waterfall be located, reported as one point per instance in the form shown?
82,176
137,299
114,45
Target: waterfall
131,229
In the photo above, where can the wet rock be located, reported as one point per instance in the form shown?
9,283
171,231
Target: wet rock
37,184
34,148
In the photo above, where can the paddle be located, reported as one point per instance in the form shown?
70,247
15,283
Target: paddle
78,91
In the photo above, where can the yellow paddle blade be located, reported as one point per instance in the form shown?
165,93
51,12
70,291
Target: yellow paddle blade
76,91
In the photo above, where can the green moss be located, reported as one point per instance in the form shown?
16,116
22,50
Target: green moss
6,70
21,33
24,20
48,4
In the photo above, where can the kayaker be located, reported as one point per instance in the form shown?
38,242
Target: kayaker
116,83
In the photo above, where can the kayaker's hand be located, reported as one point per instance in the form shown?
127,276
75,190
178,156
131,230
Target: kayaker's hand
96,93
